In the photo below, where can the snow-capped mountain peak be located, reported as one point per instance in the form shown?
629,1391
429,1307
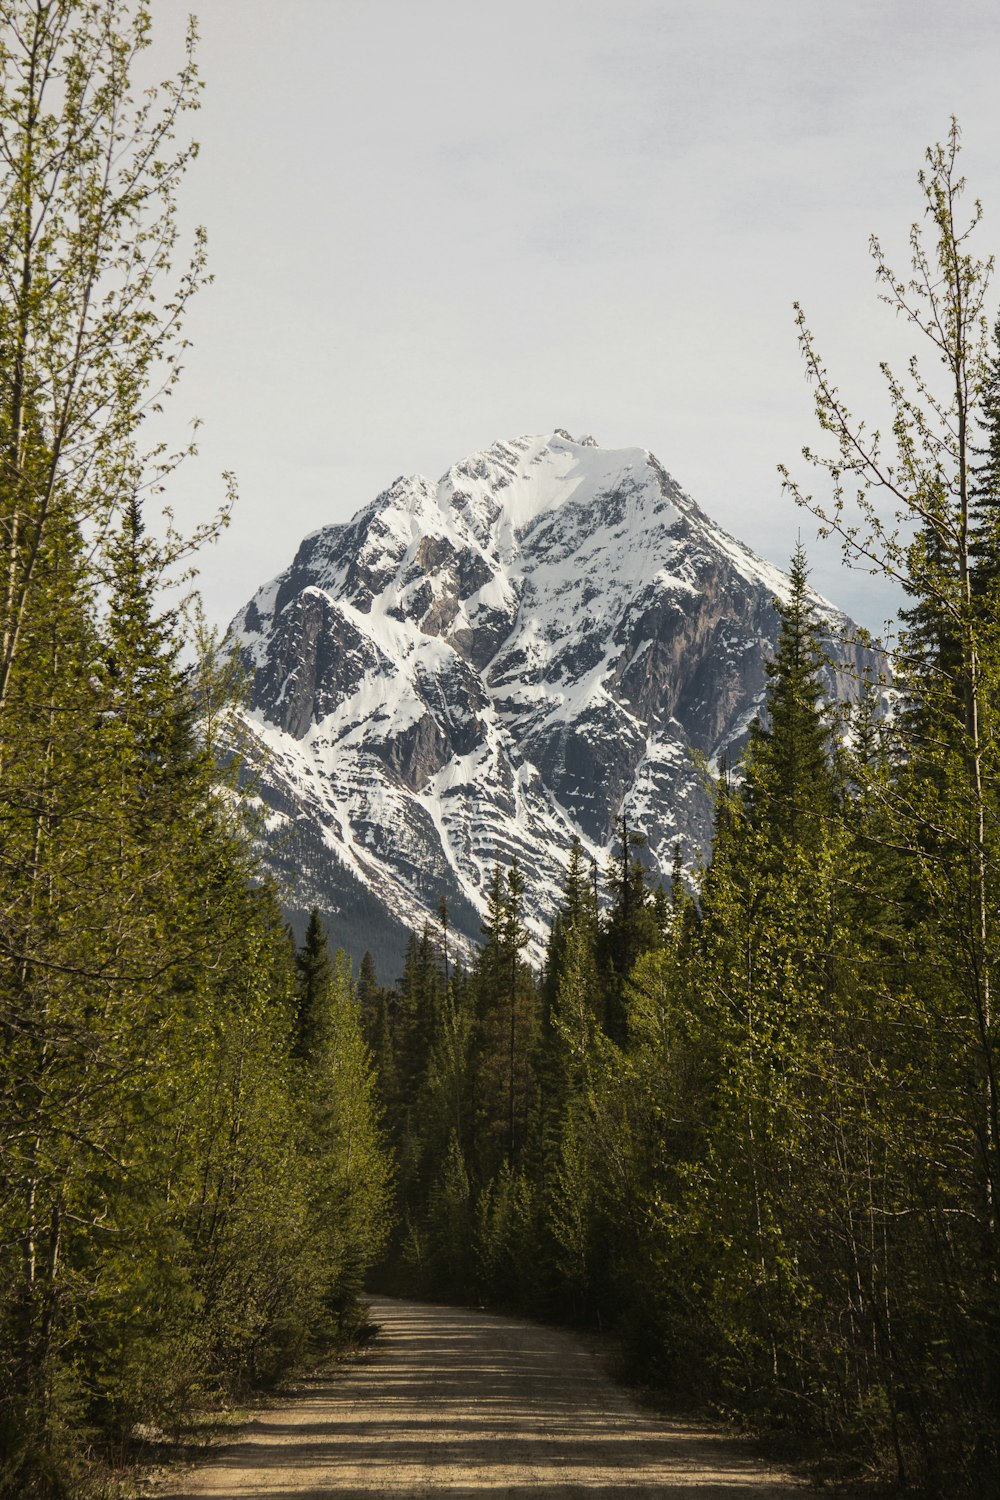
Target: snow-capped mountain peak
549,636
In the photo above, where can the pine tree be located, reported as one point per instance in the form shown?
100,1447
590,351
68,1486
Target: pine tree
572,997
727,1022
630,926
506,1007
984,546
575,911
351,1191
314,975
789,783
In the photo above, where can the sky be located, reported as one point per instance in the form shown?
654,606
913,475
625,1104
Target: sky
433,224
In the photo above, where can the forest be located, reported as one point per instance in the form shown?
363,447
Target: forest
192,1173
748,1119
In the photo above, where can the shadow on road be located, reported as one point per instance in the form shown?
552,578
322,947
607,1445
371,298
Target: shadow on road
466,1404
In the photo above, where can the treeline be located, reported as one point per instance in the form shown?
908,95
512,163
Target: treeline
755,1125
192,1178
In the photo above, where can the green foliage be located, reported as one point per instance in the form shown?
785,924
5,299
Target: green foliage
352,1183
761,1118
174,1218
314,976
790,769
630,926
505,1031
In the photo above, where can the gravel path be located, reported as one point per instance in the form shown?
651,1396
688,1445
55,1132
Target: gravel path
448,1400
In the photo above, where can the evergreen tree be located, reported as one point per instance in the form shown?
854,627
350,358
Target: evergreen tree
572,1003
351,1189
505,1027
156,1203
575,912
314,976
938,809
984,546
790,764
630,926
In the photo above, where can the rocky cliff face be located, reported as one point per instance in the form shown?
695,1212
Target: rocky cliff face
550,636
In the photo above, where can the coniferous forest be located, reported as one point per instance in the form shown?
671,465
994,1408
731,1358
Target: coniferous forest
751,1121
192,1175
748,1118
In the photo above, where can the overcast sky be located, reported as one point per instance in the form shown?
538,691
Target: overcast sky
435,223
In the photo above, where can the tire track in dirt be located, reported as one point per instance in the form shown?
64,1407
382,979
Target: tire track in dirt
464,1403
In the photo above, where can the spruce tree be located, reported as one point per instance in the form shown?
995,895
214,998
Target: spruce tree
629,928
506,1014
314,975
571,993
984,546
789,786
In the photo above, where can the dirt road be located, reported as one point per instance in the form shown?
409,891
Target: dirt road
473,1405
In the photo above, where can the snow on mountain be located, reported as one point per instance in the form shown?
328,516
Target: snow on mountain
550,637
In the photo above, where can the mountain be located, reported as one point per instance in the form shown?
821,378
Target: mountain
550,637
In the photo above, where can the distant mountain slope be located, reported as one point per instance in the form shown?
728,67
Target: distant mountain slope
552,634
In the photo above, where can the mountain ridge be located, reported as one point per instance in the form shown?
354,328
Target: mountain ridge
480,668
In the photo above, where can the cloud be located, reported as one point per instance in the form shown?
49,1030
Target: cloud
435,225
